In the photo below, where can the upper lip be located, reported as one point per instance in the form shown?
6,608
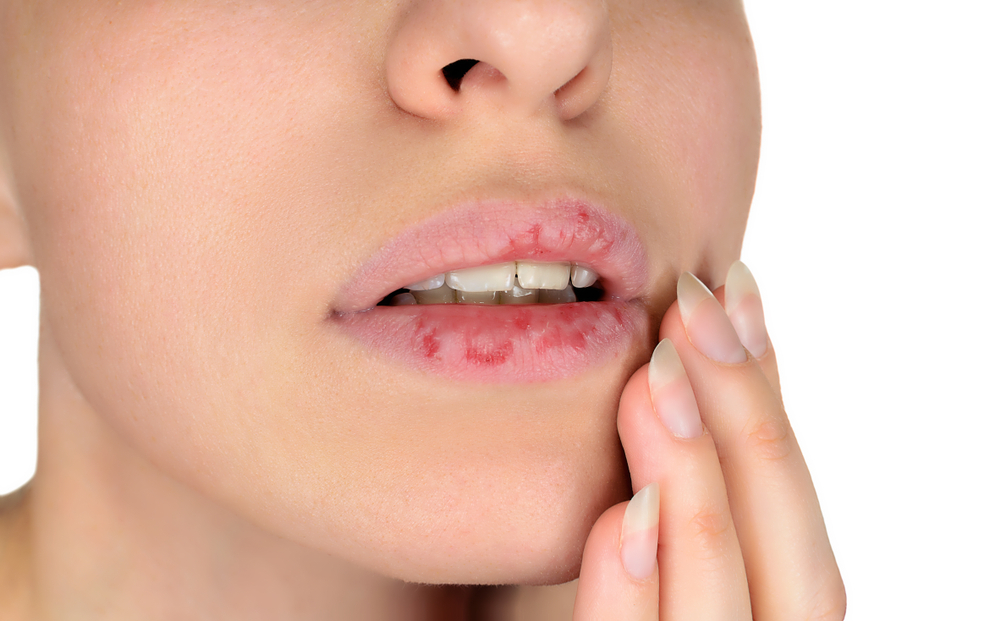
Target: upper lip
497,231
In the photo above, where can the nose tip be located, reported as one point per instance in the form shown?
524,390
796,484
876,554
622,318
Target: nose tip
531,54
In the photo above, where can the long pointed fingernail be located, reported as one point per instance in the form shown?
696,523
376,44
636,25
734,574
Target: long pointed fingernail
640,532
671,394
706,322
745,309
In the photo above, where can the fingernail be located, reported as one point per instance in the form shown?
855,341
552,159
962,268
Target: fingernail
670,391
706,322
640,532
745,309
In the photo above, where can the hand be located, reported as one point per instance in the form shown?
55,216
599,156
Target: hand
725,524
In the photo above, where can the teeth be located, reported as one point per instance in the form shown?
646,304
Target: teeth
518,295
441,295
520,282
565,296
403,299
434,282
477,297
498,277
532,275
583,277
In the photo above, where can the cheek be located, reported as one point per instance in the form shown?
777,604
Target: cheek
165,230
173,259
691,88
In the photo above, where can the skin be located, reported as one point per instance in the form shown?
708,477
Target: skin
193,182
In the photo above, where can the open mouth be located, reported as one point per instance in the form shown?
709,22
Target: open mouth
502,292
514,282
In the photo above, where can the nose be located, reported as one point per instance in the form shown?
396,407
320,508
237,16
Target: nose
521,55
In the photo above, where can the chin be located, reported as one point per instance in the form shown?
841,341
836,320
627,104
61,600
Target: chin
510,503
508,517
497,532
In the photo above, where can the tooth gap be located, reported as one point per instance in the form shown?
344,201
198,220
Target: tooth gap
385,301
593,293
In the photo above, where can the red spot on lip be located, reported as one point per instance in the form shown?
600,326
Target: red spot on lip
495,231
521,322
535,232
491,356
500,343
431,345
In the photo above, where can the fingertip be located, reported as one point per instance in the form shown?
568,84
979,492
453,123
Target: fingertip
745,309
635,409
601,552
672,326
640,532
606,589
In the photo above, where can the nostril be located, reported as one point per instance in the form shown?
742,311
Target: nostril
454,72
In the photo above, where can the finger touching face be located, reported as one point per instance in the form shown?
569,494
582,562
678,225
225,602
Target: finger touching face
218,194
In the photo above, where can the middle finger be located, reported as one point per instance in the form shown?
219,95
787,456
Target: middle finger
701,565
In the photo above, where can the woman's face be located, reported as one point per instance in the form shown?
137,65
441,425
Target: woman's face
217,193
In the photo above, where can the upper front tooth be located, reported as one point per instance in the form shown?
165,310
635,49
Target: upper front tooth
533,275
434,282
583,277
499,277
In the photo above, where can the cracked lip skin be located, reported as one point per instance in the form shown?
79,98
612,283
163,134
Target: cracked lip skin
501,344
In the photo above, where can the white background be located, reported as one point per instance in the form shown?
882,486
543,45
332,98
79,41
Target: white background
873,237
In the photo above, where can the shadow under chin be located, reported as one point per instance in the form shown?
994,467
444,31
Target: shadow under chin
482,603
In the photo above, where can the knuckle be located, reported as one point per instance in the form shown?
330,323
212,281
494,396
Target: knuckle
770,439
710,528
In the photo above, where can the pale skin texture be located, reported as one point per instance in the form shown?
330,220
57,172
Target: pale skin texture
194,180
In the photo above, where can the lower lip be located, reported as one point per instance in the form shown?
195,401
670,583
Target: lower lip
499,344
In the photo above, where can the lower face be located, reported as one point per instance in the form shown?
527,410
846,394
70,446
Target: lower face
220,194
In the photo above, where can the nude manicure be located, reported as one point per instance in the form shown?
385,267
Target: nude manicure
640,532
671,394
707,325
745,309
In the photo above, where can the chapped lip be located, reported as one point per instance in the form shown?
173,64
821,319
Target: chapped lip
502,343
498,231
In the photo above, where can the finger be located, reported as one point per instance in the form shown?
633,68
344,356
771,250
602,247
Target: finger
790,566
619,577
701,567
746,312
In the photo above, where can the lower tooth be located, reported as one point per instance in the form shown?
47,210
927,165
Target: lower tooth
441,295
477,297
403,299
518,295
561,296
